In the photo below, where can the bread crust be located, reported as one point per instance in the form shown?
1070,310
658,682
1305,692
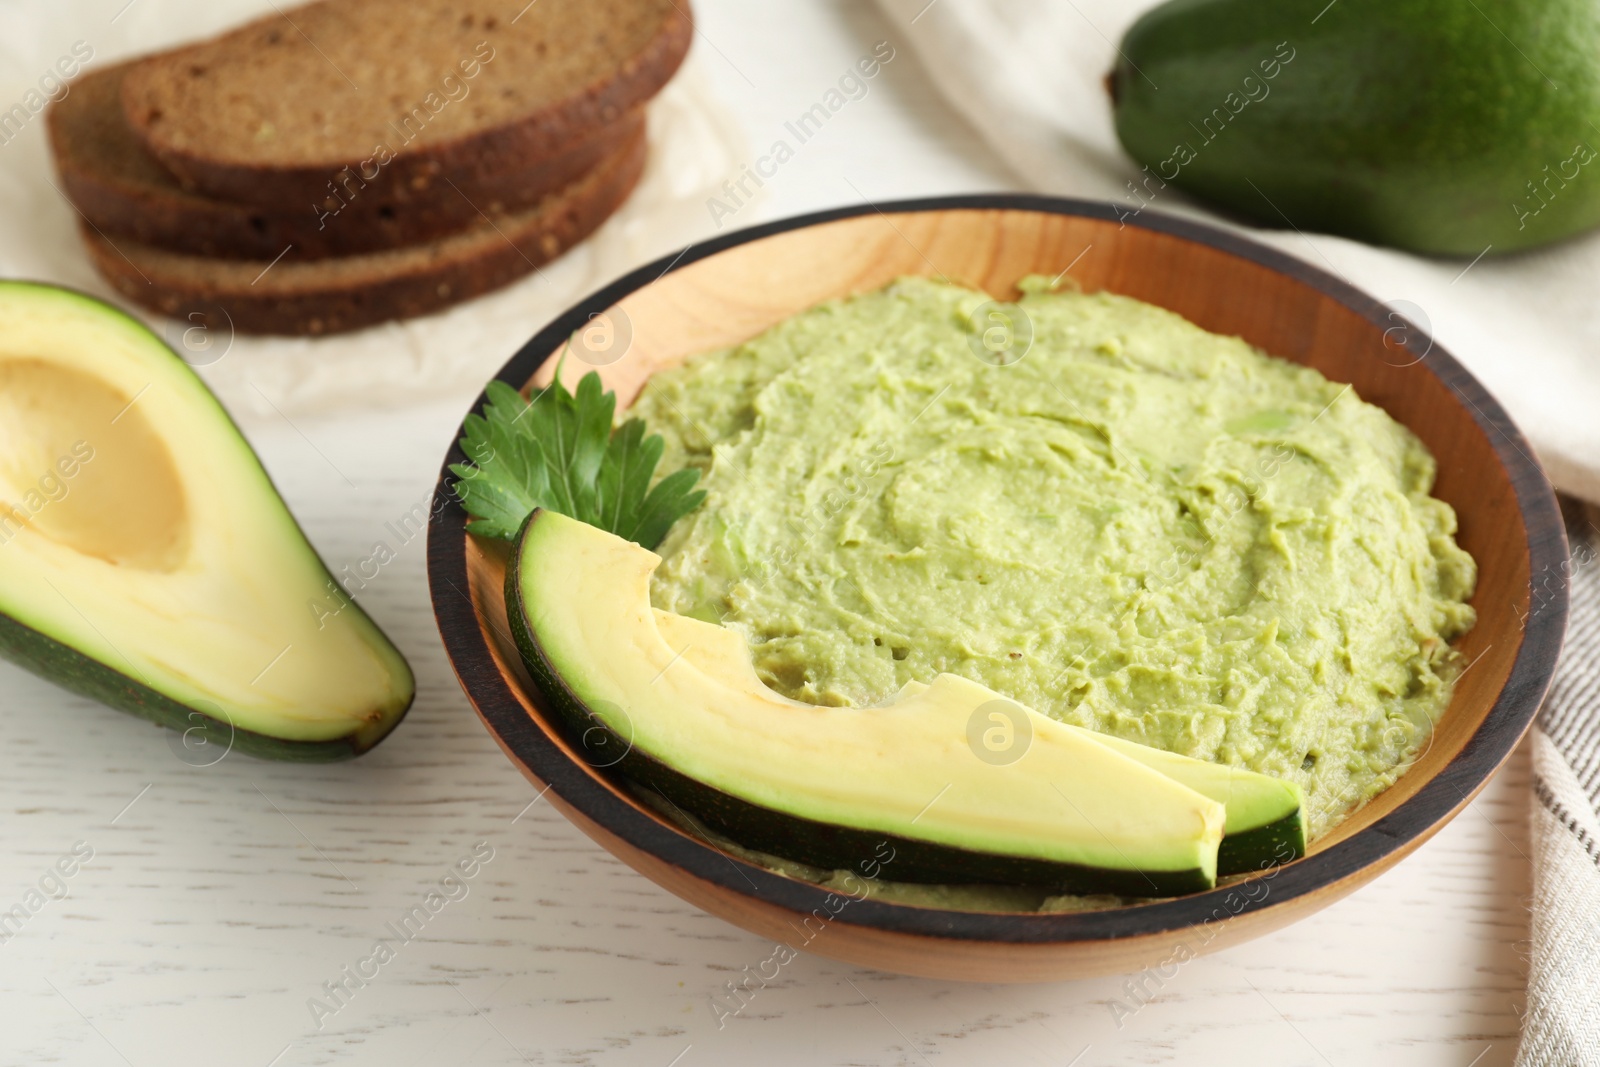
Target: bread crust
122,192
472,162
317,297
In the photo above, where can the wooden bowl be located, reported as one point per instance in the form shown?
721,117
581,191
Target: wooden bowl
730,288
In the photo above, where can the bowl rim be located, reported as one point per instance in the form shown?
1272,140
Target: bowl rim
1450,789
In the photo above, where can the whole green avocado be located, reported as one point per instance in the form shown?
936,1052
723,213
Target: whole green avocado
1449,127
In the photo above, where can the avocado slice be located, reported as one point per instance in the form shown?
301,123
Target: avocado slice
1265,823
826,785
1431,125
146,559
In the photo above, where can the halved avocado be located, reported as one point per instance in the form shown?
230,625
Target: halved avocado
826,785
146,559
1265,824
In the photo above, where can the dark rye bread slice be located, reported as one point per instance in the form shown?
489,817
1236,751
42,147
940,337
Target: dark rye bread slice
332,295
122,191
431,90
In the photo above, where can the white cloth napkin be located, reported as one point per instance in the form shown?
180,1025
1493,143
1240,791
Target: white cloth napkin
695,144
1027,74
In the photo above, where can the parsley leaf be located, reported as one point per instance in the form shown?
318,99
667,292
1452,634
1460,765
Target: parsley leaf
560,452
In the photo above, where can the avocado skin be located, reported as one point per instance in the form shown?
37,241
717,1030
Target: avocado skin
1253,851
1412,123
73,671
65,666
794,837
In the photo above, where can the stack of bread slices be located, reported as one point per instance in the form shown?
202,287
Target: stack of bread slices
347,162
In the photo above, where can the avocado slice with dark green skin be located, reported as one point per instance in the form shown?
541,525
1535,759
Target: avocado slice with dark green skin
1266,816
1265,823
147,561
824,785
1431,125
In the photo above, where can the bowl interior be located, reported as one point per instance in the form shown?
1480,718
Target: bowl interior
735,293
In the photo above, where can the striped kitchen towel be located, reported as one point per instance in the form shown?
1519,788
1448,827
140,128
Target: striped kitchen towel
1562,1024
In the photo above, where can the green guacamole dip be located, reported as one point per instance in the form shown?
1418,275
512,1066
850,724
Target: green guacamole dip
1139,527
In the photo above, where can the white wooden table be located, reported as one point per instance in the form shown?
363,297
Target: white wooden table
220,899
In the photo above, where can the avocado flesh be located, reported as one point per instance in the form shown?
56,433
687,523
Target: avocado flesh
1431,125
163,574
816,784
1265,824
